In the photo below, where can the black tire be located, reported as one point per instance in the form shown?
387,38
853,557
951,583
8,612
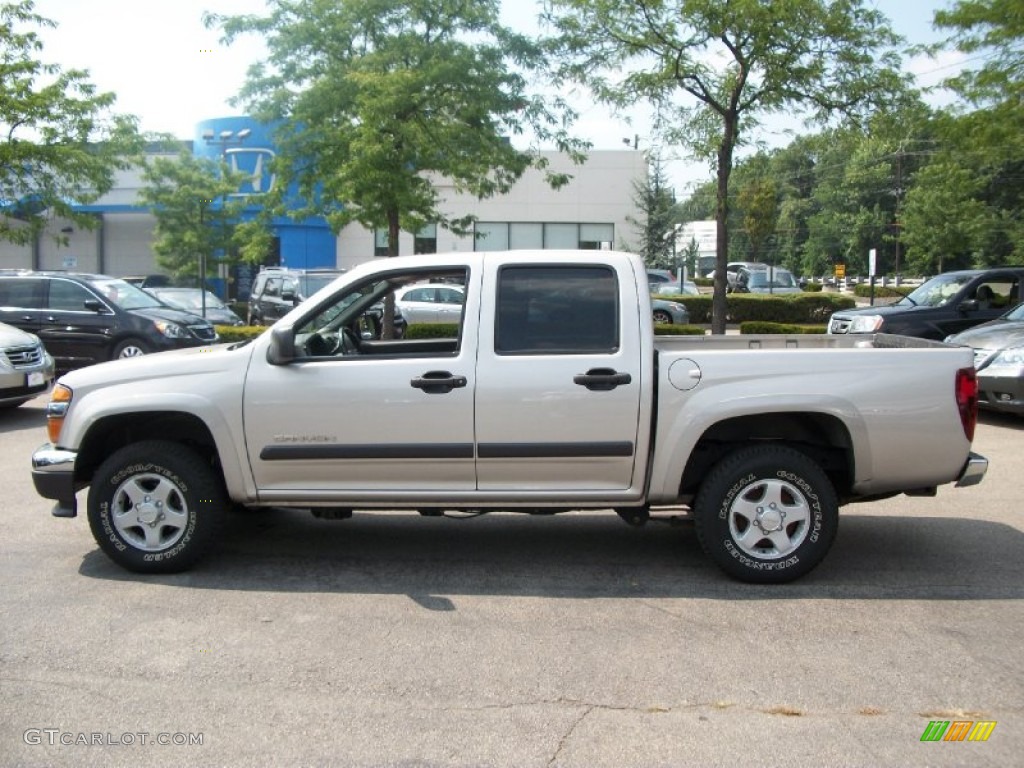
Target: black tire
172,486
661,316
130,348
742,507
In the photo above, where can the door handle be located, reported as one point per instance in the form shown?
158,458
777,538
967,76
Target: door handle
438,382
601,379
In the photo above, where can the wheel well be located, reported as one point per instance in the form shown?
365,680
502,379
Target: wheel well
114,432
821,437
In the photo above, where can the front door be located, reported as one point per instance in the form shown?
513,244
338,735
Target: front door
352,418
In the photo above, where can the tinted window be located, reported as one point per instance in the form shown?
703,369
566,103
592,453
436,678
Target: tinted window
21,293
68,296
567,310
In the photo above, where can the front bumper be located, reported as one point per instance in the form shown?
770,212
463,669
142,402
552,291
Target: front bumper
1001,392
53,474
973,472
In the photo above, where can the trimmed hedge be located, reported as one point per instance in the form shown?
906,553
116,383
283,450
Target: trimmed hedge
704,282
432,331
757,327
799,308
665,329
814,287
233,333
863,290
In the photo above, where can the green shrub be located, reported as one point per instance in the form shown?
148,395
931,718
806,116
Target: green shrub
814,287
665,329
801,308
233,333
755,327
704,282
432,331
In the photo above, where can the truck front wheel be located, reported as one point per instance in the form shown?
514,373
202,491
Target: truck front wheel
155,507
766,514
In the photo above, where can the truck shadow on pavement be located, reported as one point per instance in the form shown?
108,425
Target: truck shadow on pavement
585,555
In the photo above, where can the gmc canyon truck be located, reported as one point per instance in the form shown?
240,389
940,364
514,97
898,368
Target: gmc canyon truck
551,394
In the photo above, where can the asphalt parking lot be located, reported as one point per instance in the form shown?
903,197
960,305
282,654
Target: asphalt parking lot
396,640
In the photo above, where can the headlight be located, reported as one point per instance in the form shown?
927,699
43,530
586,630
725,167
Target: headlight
1010,356
865,323
171,330
56,409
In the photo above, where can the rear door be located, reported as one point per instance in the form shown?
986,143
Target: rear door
22,300
559,379
74,334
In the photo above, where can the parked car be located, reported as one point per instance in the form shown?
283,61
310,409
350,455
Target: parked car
946,304
999,358
672,289
773,280
278,290
148,281
431,302
84,319
26,368
732,270
191,300
666,311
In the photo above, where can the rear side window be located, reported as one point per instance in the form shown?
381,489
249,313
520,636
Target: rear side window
557,310
21,293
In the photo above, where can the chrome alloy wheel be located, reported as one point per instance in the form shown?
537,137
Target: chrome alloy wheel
149,512
769,519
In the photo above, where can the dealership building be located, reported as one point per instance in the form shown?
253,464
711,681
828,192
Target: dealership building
594,210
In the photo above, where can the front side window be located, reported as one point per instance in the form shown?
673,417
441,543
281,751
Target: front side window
71,297
557,310
355,322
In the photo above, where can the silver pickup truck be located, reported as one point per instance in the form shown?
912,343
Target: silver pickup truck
552,393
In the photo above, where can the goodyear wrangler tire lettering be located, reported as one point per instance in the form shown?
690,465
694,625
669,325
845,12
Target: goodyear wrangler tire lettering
155,507
766,514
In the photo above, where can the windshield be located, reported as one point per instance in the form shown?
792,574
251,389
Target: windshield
313,283
125,295
1017,313
937,291
780,279
189,299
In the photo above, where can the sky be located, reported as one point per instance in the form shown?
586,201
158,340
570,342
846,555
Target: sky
170,71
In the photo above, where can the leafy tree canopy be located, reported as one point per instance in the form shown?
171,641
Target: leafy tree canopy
711,68
378,97
59,142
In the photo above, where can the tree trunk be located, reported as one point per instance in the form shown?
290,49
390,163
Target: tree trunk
719,306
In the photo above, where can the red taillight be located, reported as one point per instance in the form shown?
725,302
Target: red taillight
967,399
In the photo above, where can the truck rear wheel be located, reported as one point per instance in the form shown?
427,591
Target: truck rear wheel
766,514
155,507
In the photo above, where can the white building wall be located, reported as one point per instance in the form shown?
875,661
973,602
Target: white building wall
601,191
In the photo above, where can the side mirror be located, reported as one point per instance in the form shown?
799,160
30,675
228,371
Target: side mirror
288,294
968,305
282,345
94,305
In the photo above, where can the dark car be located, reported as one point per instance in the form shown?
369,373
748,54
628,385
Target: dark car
84,319
277,291
999,358
946,304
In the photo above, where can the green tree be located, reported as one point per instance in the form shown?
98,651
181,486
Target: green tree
378,96
656,202
759,203
59,142
196,218
712,67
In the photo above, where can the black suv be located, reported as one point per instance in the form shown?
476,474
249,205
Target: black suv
946,304
84,319
277,291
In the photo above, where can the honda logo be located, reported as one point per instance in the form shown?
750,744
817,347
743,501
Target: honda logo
255,164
